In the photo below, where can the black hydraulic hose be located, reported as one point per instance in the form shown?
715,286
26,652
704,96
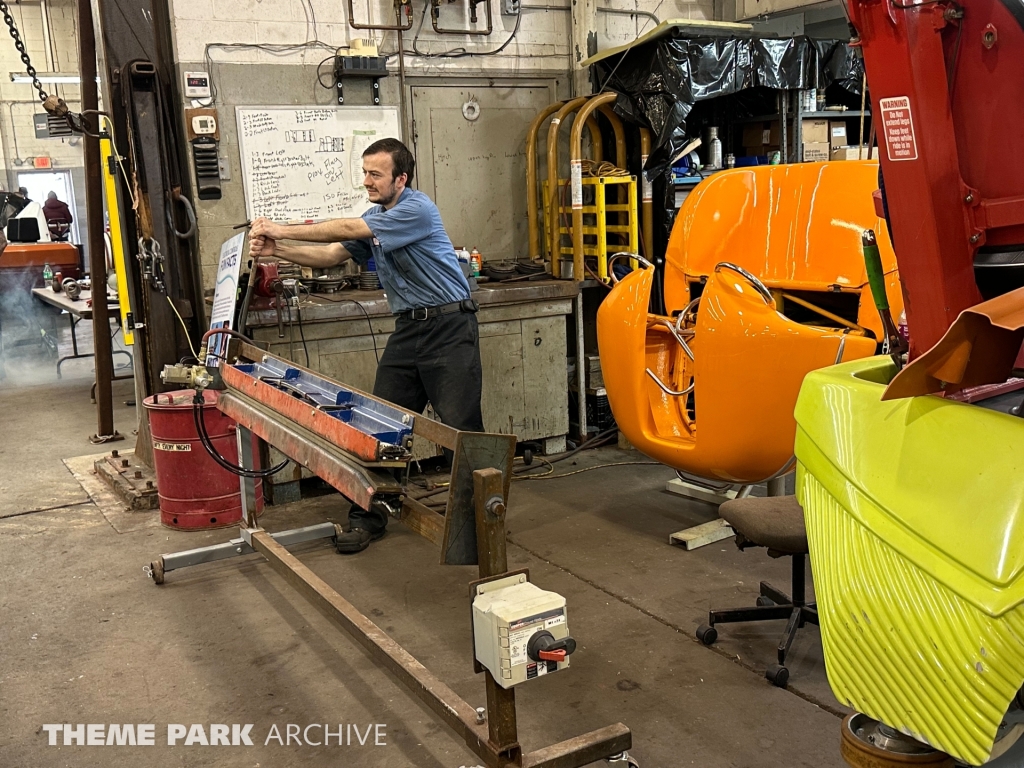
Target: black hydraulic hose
204,438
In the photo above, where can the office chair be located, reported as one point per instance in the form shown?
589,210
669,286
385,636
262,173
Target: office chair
775,522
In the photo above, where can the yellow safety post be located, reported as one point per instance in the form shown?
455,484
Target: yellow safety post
113,203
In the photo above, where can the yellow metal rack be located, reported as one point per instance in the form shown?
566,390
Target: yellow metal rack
597,226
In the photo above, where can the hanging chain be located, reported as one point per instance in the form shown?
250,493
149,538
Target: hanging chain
52,104
9,20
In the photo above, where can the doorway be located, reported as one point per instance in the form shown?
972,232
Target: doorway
470,145
39,183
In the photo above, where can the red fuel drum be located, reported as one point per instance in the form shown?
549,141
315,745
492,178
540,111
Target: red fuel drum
195,493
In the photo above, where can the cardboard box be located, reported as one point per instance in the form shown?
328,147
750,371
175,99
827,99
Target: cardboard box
849,153
764,149
815,132
756,134
837,133
815,151
767,133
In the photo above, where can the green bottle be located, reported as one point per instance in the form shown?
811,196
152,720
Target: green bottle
47,273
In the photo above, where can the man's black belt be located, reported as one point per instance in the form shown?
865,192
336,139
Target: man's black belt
425,313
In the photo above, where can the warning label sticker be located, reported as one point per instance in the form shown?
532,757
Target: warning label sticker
517,642
576,174
172,446
898,128
520,632
646,187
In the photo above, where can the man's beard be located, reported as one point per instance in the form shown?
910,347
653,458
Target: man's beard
385,199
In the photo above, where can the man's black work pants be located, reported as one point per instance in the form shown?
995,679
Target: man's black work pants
436,361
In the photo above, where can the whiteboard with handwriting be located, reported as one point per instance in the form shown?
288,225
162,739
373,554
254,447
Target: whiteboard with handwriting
301,163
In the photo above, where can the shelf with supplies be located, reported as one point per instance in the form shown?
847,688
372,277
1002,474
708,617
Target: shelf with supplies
820,115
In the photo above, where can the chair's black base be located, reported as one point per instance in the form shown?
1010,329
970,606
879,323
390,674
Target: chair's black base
771,605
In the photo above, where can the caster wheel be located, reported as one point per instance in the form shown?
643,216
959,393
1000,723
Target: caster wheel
156,571
777,675
707,635
764,602
527,457
867,743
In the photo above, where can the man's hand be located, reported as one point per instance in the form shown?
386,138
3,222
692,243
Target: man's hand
262,247
263,227
263,237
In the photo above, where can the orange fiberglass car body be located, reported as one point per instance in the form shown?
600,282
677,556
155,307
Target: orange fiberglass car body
764,282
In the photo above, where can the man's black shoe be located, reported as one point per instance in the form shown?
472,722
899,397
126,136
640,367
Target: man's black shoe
352,540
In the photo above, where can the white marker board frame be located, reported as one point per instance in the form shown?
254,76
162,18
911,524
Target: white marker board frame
297,162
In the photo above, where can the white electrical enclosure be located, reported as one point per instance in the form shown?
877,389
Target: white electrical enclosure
507,613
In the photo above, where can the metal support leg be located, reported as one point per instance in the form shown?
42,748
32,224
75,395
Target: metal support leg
581,372
74,345
247,460
774,594
237,547
777,487
488,495
795,620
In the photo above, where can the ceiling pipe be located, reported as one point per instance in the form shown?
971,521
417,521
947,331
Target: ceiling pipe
600,9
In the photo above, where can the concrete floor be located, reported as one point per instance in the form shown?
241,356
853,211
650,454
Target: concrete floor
88,638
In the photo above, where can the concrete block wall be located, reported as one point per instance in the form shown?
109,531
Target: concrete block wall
207,34
541,44
257,84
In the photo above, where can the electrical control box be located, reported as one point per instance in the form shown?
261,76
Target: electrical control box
197,85
520,631
510,7
204,125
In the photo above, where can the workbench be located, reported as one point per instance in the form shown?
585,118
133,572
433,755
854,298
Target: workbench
77,310
522,348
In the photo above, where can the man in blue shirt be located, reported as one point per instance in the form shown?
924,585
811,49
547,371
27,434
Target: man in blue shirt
434,354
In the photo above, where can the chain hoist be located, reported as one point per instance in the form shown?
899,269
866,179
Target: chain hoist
52,103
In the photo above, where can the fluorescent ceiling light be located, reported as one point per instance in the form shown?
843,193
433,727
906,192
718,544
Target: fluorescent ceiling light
44,77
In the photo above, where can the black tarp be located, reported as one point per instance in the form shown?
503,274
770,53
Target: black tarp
658,82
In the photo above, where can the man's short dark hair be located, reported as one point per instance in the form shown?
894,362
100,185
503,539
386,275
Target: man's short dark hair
401,158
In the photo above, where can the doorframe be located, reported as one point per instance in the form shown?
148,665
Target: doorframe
555,82
72,203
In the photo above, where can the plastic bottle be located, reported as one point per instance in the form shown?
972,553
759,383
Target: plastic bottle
476,260
714,148
47,273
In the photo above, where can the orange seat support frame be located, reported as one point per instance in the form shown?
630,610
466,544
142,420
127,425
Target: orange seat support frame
732,362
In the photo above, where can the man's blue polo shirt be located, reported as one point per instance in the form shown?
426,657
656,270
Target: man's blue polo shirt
415,259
